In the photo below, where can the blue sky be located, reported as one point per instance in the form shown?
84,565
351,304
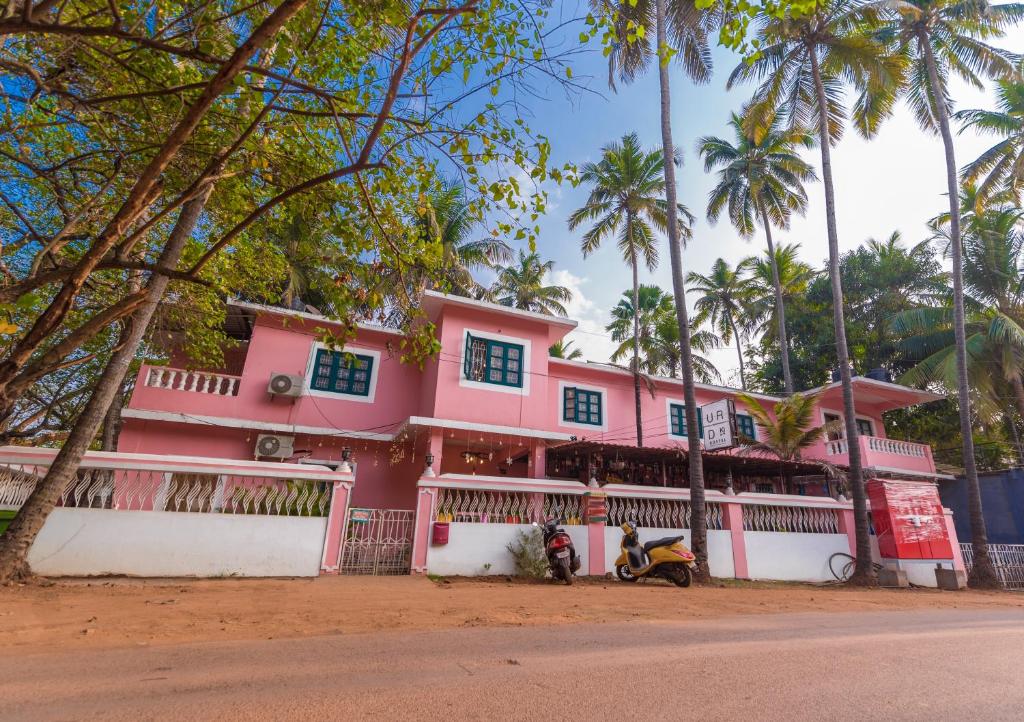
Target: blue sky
894,182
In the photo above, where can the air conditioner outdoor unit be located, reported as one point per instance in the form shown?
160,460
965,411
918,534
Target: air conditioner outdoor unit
274,445
285,384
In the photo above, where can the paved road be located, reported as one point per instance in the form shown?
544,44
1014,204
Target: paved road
934,665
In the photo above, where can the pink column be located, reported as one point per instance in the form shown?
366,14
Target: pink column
336,517
847,527
958,557
596,516
732,519
535,461
426,501
435,446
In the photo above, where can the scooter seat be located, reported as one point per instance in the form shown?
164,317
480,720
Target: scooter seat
663,542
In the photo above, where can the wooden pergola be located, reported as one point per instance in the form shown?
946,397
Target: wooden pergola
668,466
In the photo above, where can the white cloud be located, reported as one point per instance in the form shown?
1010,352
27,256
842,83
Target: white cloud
589,336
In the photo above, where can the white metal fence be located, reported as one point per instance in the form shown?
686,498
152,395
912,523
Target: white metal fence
378,542
507,507
1008,559
800,519
659,513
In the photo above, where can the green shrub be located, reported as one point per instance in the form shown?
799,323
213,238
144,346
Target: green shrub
528,552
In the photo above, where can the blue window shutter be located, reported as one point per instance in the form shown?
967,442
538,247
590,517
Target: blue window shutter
467,363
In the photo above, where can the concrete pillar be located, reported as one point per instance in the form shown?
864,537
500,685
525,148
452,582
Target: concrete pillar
596,517
435,445
732,519
849,528
535,462
337,518
426,503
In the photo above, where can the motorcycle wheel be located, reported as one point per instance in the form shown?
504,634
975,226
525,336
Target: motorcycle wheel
623,573
680,575
564,571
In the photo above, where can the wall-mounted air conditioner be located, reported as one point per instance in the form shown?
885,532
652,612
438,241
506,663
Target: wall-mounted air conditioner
275,445
285,384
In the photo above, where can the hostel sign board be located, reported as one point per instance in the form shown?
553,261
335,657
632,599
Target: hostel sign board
719,425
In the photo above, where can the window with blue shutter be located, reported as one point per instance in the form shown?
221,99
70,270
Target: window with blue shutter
580,406
677,420
745,424
342,372
493,362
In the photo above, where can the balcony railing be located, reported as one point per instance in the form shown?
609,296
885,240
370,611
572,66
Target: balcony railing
892,453
202,382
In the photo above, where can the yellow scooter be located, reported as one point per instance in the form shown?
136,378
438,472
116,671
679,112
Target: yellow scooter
667,558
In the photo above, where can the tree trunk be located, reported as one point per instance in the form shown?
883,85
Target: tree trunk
698,523
863,573
780,306
112,419
739,352
636,340
17,540
983,574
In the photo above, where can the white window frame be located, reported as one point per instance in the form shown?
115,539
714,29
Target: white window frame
842,417
602,390
524,370
307,386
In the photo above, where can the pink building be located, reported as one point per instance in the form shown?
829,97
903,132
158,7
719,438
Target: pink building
492,404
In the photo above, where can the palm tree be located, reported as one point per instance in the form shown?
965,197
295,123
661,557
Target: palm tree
794,278
760,181
447,225
786,431
938,37
561,349
724,297
658,335
626,200
522,286
633,53
994,318
1002,165
804,65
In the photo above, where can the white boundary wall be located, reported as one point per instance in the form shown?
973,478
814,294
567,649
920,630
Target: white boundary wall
792,556
472,546
719,547
90,542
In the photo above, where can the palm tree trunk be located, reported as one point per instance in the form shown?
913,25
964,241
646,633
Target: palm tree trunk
983,574
636,338
739,352
698,522
18,538
780,306
863,573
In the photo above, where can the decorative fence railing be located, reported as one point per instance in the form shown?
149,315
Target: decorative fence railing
378,542
203,382
128,482
507,507
659,513
1008,559
800,519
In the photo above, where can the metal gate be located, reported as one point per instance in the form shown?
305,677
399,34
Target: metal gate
378,541
1008,559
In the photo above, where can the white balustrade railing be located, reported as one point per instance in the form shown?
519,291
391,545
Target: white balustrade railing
896,446
143,482
659,513
800,519
203,382
836,447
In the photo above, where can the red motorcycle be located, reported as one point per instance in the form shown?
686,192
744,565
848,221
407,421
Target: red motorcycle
561,553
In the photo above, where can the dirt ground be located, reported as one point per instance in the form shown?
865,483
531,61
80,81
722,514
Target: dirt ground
105,613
